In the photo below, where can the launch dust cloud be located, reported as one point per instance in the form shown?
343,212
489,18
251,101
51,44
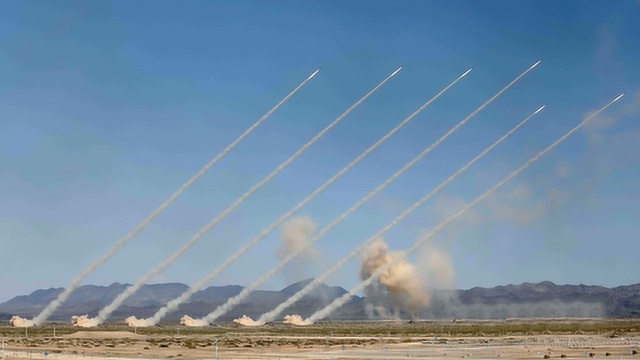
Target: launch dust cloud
17,321
246,321
402,280
189,321
84,321
436,267
295,320
407,284
135,322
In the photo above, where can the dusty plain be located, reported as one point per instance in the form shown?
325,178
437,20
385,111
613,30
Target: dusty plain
399,339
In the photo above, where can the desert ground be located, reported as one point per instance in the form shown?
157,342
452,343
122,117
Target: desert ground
400,339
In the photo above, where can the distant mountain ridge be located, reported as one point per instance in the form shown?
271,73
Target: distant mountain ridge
544,299
89,299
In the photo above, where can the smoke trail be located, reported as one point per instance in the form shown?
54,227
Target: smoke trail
173,304
44,314
107,310
246,291
270,316
340,301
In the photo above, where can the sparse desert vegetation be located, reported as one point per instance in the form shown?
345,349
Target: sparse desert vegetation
560,336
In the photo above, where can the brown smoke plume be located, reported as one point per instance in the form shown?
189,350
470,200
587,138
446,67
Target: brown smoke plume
246,321
402,280
17,321
295,234
437,267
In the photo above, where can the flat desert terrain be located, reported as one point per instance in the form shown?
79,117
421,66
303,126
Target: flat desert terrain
507,339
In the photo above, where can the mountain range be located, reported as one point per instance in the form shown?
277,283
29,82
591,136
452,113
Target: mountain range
544,299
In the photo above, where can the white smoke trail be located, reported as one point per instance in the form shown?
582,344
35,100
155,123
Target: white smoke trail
340,301
107,310
270,316
47,311
173,304
249,289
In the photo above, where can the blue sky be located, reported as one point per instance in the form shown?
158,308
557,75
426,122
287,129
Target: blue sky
108,107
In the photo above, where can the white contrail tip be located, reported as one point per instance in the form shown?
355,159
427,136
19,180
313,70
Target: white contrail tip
314,73
540,108
536,64
619,97
397,70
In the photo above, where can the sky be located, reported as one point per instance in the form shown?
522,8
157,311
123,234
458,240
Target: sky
106,108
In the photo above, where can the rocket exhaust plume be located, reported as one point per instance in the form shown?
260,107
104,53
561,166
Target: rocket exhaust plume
246,291
173,304
17,321
44,314
106,311
270,316
342,300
